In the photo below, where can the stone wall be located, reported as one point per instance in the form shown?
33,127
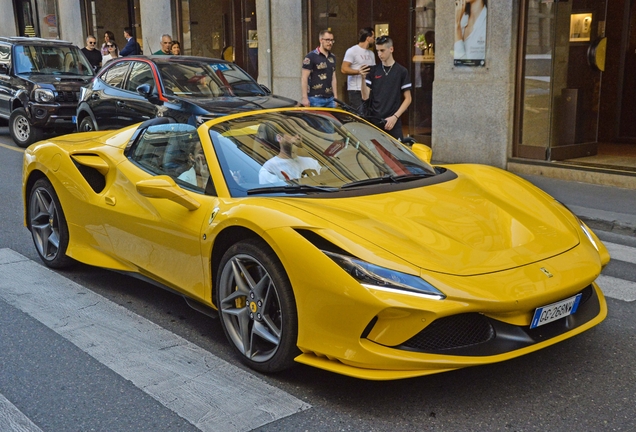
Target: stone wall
473,107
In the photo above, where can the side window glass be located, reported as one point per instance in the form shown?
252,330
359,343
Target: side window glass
173,150
115,75
141,73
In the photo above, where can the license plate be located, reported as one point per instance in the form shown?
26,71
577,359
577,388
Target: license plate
74,119
555,311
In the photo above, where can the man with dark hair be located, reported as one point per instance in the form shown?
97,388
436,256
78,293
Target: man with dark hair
318,85
132,47
166,44
388,87
358,58
93,55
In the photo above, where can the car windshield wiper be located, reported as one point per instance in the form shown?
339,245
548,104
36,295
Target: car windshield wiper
291,189
386,179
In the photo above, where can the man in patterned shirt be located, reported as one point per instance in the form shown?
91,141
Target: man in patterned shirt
319,86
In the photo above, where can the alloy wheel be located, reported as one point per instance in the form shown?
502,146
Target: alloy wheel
47,225
250,307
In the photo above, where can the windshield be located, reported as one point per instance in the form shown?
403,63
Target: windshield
47,60
310,151
199,80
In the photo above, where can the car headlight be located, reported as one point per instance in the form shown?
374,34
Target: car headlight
584,227
376,277
44,95
586,230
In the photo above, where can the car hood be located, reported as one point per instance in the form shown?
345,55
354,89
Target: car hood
461,227
233,104
58,81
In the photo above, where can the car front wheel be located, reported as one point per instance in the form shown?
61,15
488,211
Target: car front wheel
87,125
23,133
257,307
48,225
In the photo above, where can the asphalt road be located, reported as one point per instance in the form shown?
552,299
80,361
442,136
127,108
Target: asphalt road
47,382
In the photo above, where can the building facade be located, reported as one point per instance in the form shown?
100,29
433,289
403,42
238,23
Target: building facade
498,82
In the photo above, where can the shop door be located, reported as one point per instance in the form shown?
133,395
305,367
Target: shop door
26,22
627,127
560,78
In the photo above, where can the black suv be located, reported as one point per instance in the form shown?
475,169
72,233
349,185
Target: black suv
40,82
187,89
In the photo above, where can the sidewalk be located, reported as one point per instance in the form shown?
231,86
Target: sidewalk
605,208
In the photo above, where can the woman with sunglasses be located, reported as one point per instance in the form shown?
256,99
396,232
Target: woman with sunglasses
113,52
109,36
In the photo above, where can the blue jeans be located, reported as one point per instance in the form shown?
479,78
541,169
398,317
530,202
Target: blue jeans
322,102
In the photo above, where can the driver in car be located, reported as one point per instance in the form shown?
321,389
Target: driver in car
287,165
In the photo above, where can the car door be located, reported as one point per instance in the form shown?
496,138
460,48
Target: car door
161,236
135,108
107,90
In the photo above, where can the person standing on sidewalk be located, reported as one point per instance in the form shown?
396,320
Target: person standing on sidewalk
93,55
388,87
166,44
355,58
319,86
132,47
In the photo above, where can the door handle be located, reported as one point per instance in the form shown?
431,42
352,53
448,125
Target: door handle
121,104
95,96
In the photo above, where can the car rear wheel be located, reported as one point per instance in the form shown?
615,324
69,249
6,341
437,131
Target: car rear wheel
48,225
22,132
257,307
87,125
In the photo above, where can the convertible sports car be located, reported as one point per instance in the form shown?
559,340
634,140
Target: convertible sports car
319,239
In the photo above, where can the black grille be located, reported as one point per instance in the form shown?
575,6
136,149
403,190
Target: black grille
586,294
66,96
455,331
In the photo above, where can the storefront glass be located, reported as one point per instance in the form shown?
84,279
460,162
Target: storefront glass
560,86
411,25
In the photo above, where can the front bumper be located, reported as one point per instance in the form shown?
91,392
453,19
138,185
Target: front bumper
366,333
55,115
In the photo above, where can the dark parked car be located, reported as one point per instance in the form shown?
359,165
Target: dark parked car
40,81
188,89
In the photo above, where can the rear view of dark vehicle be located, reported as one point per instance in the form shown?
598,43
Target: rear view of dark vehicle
40,81
187,89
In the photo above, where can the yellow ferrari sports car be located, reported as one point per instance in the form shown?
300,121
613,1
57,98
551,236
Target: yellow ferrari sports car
317,238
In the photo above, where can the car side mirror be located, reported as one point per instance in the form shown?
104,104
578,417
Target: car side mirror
4,69
264,87
423,152
145,90
165,187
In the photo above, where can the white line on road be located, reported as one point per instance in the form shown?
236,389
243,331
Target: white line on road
619,289
200,387
12,419
621,253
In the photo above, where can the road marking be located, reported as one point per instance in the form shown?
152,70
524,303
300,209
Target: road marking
12,419
619,289
12,147
207,391
621,253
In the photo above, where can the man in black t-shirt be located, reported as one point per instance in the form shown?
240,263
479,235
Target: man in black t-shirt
319,86
93,55
389,88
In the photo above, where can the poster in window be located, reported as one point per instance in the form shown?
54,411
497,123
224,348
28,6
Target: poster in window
471,20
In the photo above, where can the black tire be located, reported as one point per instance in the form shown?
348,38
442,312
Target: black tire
257,306
87,125
48,225
22,131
